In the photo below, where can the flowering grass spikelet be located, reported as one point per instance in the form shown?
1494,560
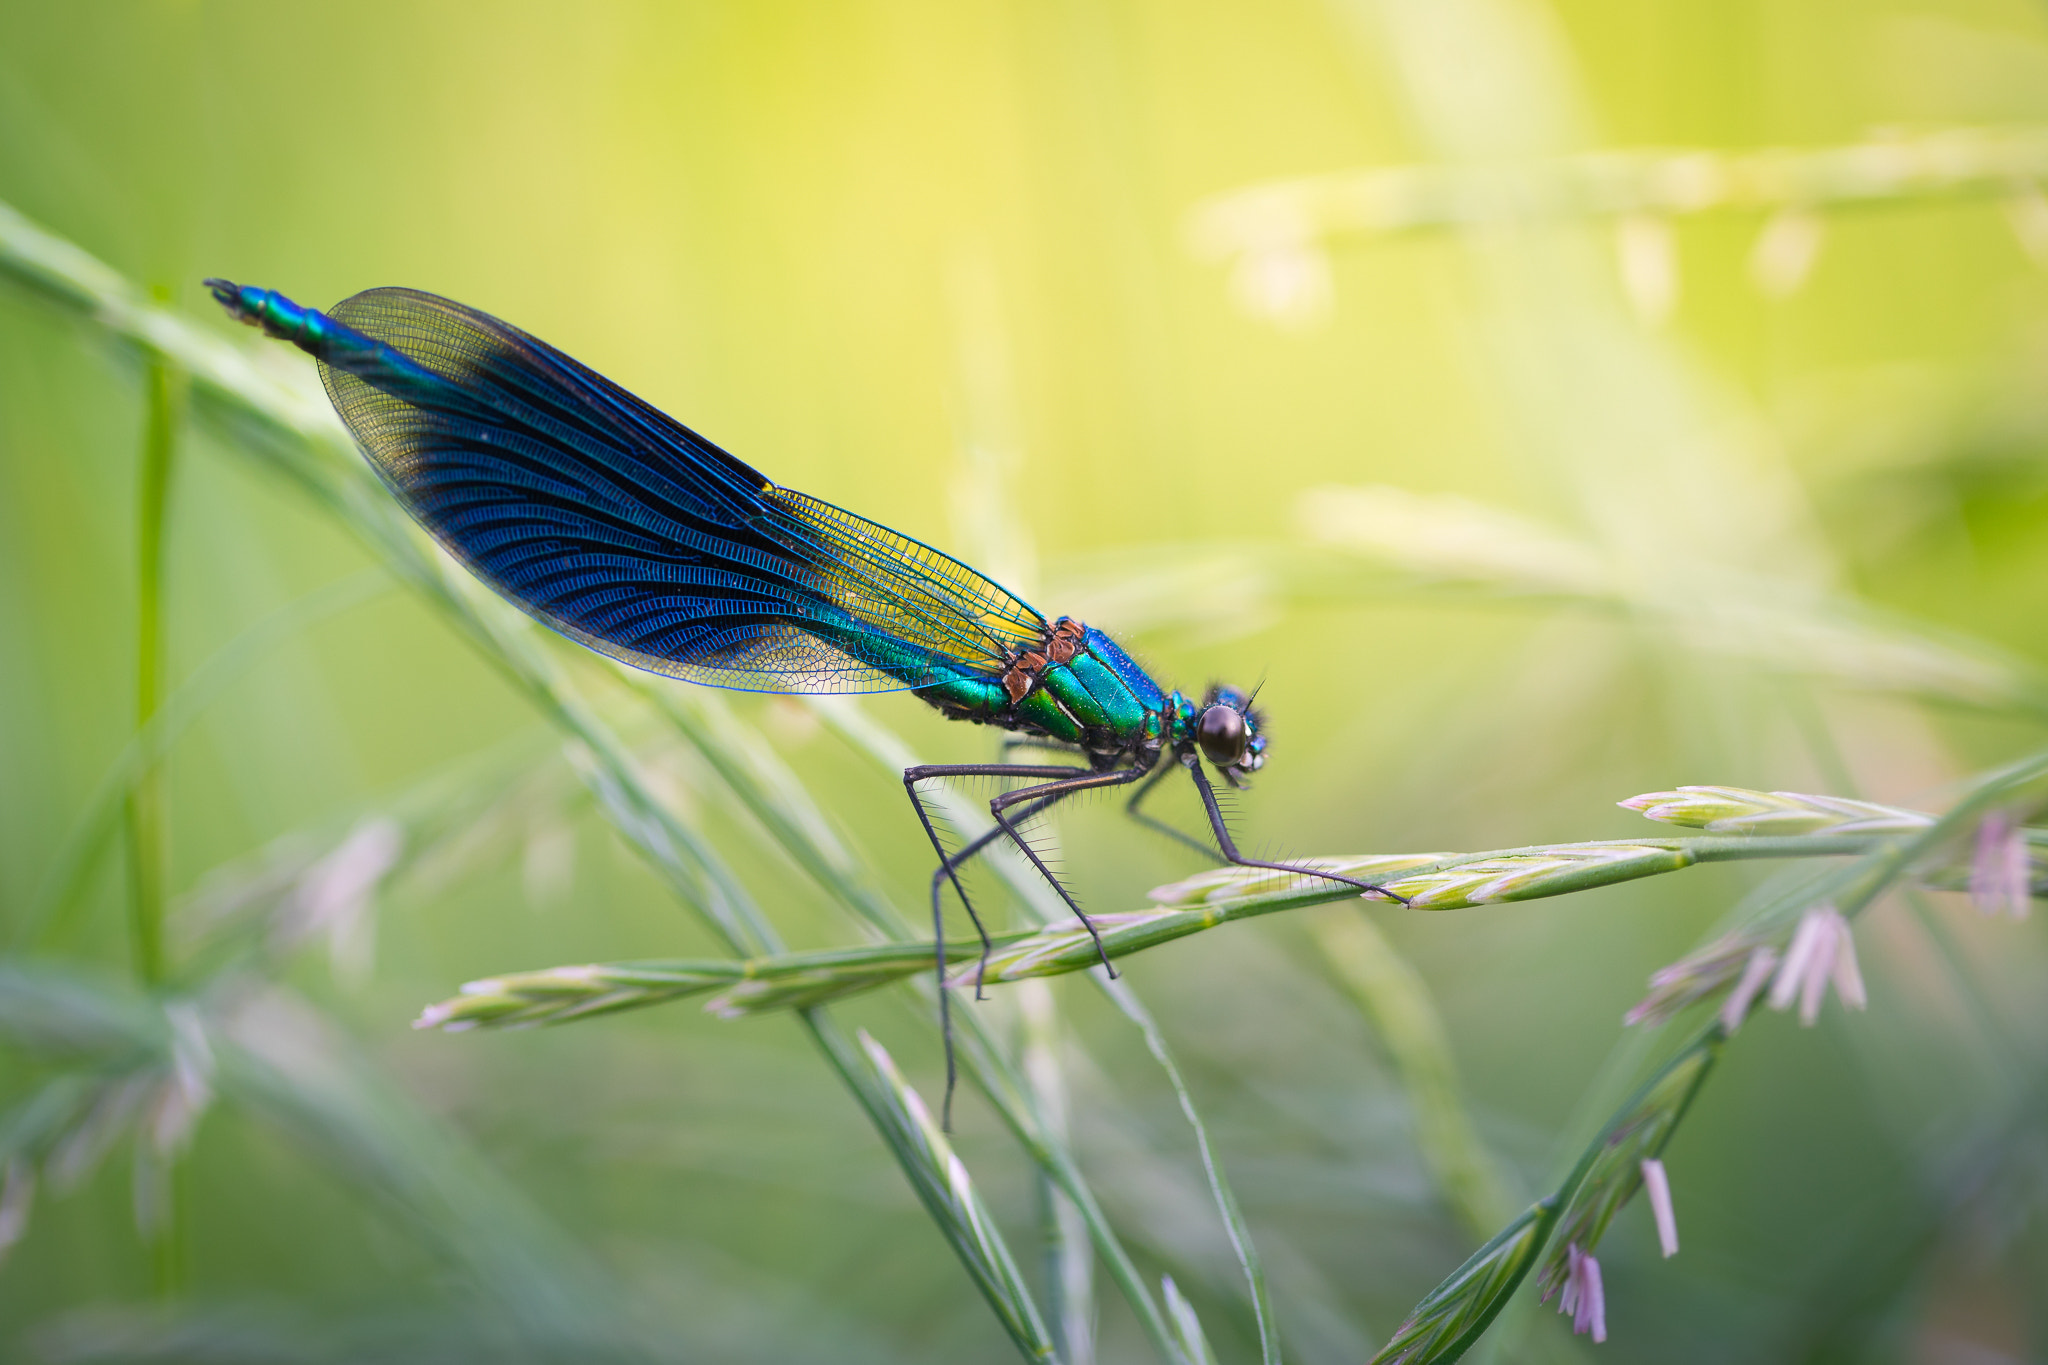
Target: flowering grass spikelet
1822,950
17,1197
336,896
1621,1161
1756,973
1741,810
1692,978
2001,872
1657,1185
1584,1300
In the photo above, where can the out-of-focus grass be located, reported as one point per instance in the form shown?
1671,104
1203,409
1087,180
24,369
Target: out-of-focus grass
1742,496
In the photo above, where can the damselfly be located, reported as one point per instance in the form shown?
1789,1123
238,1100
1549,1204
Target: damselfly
631,534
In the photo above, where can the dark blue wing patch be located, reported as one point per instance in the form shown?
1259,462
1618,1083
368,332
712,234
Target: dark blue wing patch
630,533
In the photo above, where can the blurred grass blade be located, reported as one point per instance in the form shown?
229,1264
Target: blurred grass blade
1069,1258
948,1194
1241,1244
770,792
270,1056
86,839
1309,211
1443,538
1785,625
1037,1132
1394,998
278,1059
147,853
1187,1328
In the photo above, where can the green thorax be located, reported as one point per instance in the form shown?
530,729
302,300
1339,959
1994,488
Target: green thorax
1096,697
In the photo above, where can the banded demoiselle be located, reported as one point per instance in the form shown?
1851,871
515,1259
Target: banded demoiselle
629,533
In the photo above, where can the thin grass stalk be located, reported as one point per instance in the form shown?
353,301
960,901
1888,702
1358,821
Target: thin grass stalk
83,843
771,793
852,725
1992,1031
1428,881
1397,1002
700,876
146,852
1985,793
1234,1227
302,440
1957,163
1834,767
776,981
941,1181
163,1232
1069,1259
991,1069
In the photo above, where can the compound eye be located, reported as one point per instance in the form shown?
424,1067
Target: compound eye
1221,736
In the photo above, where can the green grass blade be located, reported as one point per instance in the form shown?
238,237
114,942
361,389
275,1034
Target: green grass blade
943,1184
1241,1243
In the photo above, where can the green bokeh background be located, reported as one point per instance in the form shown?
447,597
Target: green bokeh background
924,259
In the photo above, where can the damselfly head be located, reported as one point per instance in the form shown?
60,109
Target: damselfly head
1228,733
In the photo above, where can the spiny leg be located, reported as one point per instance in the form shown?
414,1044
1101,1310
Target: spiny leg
1229,845
950,867
1154,823
1115,777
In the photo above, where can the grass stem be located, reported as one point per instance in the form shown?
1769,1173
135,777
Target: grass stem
147,851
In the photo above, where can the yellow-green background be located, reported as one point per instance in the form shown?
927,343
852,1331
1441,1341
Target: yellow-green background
855,242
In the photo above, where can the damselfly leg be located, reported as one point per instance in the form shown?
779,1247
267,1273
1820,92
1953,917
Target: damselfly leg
1231,853
1159,826
1066,782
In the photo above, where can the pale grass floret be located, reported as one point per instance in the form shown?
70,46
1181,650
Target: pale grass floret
1691,978
337,896
1742,810
1583,1298
2001,874
17,1195
1657,1185
188,1088
1755,973
1822,951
